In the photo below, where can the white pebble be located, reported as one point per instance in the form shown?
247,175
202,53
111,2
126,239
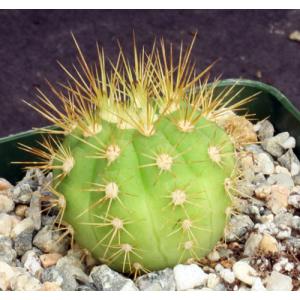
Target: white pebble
284,234
289,266
279,282
32,262
289,143
244,272
6,224
214,255
227,275
6,203
264,164
257,285
219,268
189,277
212,280
6,273
25,224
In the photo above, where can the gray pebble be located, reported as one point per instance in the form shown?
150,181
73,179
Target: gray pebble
34,211
294,200
46,240
22,193
23,242
273,145
264,164
266,130
53,275
279,282
283,219
86,287
238,226
7,253
281,179
157,281
6,202
108,280
290,161
254,148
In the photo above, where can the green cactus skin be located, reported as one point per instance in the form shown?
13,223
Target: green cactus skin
167,213
149,195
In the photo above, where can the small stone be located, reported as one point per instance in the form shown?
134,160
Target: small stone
50,259
281,179
6,224
24,225
295,224
25,282
189,277
7,253
252,244
157,281
257,285
263,191
264,164
280,169
48,241
6,273
278,199
254,148
273,145
213,255
279,282
32,263
86,287
22,193
53,275
108,280
21,210
23,242
71,276
290,161
289,267
34,211
266,130
289,143
212,280
238,226
6,202
244,272
294,200
227,276
268,244
284,233
284,218
50,286
5,185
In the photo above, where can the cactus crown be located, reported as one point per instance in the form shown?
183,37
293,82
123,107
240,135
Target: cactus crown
143,173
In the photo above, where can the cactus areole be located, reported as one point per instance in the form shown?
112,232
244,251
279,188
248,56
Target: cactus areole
142,165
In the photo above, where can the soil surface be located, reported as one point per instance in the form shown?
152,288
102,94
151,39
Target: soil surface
252,44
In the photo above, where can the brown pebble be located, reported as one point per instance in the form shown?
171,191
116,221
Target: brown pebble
21,210
50,259
268,244
4,184
50,286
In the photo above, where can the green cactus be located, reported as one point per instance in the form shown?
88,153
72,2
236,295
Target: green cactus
142,171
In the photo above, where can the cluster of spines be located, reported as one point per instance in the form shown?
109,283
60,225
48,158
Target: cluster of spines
132,97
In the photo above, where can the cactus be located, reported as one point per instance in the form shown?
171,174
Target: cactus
143,174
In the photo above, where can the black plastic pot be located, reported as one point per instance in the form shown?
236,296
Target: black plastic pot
270,103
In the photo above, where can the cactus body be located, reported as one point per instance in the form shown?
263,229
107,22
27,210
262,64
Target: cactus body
141,170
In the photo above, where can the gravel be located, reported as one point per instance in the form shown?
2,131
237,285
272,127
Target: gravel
261,249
